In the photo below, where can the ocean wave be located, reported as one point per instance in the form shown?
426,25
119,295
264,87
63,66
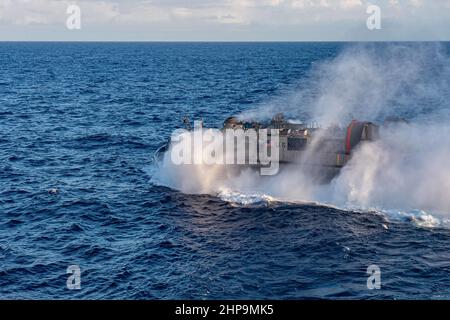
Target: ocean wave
420,218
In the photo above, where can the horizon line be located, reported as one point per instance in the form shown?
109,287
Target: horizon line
220,41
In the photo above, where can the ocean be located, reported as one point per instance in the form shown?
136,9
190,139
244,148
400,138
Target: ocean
80,127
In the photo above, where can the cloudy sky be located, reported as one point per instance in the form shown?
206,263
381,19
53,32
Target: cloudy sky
224,20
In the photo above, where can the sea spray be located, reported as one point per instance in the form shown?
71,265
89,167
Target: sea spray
407,169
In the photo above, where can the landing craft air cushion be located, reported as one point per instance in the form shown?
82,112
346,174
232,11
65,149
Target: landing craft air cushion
322,151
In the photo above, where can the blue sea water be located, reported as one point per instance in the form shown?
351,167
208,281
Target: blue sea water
80,124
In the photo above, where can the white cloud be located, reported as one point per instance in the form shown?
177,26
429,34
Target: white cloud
200,16
351,3
48,12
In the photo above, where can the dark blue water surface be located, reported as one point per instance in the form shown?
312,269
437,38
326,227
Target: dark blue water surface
87,118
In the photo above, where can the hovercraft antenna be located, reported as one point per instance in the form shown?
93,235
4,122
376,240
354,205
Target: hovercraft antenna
187,123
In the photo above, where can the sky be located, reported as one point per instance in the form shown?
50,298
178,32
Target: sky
224,20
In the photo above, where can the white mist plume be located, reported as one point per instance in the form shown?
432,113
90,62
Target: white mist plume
407,169
369,82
